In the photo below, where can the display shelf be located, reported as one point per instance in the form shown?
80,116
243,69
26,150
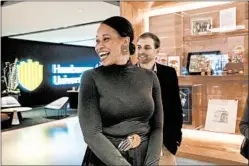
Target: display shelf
215,35
233,87
218,148
213,77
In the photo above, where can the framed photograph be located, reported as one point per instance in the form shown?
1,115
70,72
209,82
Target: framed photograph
198,61
201,25
186,101
174,61
162,60
221,115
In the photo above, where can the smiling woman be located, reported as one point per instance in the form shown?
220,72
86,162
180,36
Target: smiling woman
120,116
114,43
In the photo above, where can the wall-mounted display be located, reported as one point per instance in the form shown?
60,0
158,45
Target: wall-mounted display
186,101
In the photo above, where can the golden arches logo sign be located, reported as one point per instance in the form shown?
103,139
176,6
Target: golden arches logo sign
30,74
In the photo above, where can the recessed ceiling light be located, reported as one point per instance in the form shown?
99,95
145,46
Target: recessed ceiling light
80,10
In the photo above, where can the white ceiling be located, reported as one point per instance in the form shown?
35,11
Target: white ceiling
27,17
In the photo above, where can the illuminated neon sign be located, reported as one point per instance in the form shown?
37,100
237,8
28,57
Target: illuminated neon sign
64,80
67,74
58,69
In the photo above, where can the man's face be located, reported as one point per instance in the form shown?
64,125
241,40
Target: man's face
146,50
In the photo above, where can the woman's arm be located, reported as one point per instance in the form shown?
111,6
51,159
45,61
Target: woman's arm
91,123
244,123
156,133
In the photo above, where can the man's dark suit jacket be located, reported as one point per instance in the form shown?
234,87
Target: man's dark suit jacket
173,118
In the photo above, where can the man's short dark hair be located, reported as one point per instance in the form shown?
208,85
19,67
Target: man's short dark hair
153,37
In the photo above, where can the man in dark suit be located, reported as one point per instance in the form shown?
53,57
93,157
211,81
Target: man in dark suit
148,45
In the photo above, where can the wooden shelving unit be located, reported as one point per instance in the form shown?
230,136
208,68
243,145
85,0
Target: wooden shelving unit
215,35
202,145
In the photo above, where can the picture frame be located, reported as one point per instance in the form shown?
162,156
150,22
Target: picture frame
196,60
162,60
201,26
174,61
185,92
221,116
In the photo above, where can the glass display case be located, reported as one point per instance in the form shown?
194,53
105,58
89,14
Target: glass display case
203,28
211,119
